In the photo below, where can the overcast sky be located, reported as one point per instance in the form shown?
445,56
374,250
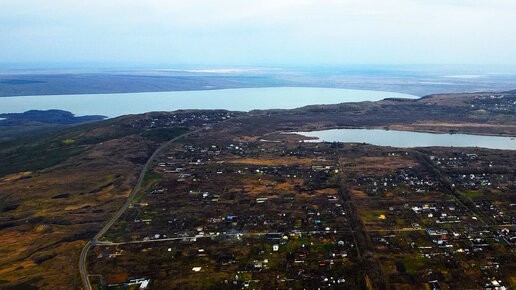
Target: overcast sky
258,32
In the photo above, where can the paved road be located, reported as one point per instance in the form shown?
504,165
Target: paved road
247,235
94,241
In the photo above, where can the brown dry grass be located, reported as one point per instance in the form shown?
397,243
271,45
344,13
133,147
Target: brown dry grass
377,164
256,187
468,128
6,273
12,177
42,225
289,161
116,278
246,139
327,191
462,124
18,266
358,194
450,99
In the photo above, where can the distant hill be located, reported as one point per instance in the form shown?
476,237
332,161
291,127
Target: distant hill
19,124
92,83
49,117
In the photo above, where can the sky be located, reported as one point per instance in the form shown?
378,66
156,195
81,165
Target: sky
258,32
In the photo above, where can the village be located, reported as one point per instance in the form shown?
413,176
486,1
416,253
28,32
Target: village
228,213
182,118
249,221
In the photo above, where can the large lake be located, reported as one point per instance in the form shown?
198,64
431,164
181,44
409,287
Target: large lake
247,99
406,139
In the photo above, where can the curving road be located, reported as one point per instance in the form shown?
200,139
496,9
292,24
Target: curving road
94,240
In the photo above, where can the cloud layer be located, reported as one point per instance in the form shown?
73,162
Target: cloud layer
258,32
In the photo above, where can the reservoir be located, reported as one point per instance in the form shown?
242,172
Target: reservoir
113,105
407,139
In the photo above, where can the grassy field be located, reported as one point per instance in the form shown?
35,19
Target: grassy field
57,190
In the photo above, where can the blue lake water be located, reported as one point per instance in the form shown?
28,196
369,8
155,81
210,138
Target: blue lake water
406,139
247,99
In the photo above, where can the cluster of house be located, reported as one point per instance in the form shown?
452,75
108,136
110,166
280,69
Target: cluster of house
456,160
300,260
441,212
180,119
494,211
455,243
409,179
283,215
504,103
274,217
469,171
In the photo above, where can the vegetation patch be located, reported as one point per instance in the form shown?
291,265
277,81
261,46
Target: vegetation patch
62,195
413,264
42,257
164,134
473,194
